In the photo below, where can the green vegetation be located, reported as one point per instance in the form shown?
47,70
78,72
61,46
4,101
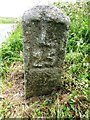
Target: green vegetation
11,50
7,20
73,100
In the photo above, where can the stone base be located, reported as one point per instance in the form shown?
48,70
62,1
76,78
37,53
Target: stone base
42,81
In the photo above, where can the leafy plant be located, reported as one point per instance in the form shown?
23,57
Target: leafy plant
78,33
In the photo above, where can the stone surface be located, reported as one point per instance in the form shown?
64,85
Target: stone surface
45,37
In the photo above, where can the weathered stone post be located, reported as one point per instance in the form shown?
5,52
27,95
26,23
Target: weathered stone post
45,38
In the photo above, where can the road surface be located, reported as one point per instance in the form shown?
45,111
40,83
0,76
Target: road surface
5,31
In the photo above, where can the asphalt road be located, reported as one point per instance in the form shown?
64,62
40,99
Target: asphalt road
5,31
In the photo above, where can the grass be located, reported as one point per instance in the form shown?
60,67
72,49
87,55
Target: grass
11,51
8,20
72,102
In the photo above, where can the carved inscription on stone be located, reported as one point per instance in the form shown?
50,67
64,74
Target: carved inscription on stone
45,44
44,57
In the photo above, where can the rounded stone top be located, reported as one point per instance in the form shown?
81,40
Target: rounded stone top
46,13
